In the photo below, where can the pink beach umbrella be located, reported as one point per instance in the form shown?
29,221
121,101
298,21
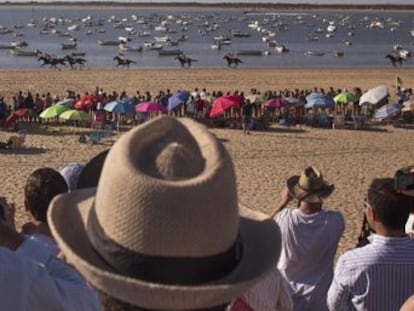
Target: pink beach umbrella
276,102
221,104
150,107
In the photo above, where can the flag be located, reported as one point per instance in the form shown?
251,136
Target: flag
399,81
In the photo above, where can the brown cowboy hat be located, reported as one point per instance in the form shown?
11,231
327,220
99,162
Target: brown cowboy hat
309,186
163,229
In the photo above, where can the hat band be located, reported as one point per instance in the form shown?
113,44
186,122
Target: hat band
159,269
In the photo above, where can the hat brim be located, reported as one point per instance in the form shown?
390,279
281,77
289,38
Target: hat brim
300,194
260,236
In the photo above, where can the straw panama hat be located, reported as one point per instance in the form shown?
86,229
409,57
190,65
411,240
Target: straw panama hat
309,186
163,229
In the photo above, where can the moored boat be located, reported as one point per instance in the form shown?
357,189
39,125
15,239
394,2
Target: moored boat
250,52
19,52
109,42
314,53
169,52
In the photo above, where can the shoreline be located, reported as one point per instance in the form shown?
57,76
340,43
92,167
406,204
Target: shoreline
250,7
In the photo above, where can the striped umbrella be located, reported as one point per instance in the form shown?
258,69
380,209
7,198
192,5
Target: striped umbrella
387,111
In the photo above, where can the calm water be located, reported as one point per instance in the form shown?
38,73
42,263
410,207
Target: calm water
367,44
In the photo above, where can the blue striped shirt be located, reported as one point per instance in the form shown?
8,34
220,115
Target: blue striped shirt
378,276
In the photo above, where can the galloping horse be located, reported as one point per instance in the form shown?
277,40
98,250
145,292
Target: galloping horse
232,61
51,61
125,62
395,59
75,61
185,61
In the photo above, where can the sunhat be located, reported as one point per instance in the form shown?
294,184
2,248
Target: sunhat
89,177
163,229
309,186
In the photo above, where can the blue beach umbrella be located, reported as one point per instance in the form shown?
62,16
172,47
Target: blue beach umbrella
177,99
119,106
387,111
320,101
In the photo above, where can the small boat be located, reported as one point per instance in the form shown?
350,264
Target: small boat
124,48
18,34
339,53
250,52
239,34
109,42
169,52
18,43
78,54
162,39
5,46
314,53
68,46
144,34
18,52
74,27
281,48
348,42
123,39
216,46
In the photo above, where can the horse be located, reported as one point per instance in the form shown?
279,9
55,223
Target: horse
185,61
232,61
395,59
75,61
125,62
51,61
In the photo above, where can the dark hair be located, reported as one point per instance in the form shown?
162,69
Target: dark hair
41,187
109,303
391,207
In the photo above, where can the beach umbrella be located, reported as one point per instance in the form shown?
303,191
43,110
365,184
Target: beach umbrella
12,118
276,102
344,98
374,95
75,115
177,99
86,102
387,111
221,104
66,101
150,107
119,106
313,95
53,111
321,101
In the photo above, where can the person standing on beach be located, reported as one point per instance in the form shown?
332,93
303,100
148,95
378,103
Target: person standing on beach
247,112
310,237
378,276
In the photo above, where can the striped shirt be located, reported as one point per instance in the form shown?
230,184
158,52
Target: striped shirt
378,276
309,243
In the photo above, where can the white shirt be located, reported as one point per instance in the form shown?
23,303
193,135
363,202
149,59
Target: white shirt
309,243
409,224
378,276
32,278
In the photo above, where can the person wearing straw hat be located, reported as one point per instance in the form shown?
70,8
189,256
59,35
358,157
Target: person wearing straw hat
310,236
163,230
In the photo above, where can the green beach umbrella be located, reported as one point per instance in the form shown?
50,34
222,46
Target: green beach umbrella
75,115
53,111
345,97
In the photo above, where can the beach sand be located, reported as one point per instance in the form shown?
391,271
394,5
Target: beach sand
263,160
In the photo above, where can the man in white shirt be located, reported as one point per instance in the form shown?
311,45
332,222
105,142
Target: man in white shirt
32,278
310,238
378,276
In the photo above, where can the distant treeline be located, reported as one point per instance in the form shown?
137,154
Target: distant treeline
250,7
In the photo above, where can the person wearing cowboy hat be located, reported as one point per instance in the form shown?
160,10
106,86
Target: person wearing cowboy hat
163,229
310,236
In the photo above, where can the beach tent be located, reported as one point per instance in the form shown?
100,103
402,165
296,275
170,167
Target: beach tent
374,95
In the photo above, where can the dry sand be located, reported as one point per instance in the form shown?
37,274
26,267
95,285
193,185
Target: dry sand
263,160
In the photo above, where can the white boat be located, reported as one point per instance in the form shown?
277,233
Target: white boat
18,52
109,42
125,48
144,34
281,48
18,43
331,28
161,28
162,39
74,27
68,46
123,39
314,53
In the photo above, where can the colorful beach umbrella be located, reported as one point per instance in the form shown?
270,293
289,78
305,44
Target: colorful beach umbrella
276,102
75,115
221,104
345,98
14,116
177,99
86,102
321,101
150,107
387,111
119,106
53,111
374,95
66,101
